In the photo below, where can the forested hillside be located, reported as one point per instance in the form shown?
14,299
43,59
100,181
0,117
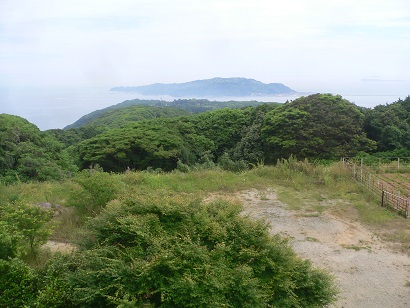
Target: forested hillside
317,127
189,105
139,235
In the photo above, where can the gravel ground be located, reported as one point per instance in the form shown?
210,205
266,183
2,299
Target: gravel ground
367,272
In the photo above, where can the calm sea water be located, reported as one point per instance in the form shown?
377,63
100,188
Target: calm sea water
58,107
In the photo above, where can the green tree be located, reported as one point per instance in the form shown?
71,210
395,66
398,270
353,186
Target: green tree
95,189
250,147
157,143
320,126
223,127
389,125
22,226
27,222
26,153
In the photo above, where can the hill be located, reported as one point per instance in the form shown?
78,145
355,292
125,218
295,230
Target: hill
229,87
117,117
97,113
183,105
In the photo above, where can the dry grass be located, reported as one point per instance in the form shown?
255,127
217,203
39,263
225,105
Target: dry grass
309,189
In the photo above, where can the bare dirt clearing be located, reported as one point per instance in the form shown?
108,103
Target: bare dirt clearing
367,271
61,247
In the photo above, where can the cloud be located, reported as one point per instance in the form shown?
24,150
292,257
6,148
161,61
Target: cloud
141,42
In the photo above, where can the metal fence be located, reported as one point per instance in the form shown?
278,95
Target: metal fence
390,196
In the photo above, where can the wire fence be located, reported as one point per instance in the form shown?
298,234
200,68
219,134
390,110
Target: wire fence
391,197
383,164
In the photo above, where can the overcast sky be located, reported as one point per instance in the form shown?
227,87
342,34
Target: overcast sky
305,44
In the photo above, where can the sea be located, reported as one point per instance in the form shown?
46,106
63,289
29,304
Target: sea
55,108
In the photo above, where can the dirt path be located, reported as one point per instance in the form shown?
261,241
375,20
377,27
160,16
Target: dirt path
367,272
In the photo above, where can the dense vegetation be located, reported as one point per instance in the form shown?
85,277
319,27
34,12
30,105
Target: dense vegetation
320,126
26,153
189,105
147,237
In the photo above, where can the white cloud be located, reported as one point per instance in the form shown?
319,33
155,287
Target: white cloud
139,42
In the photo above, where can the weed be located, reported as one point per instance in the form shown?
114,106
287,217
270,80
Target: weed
311,239
354,247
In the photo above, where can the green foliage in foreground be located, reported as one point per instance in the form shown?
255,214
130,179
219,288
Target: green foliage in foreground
153,243
22,225
176,252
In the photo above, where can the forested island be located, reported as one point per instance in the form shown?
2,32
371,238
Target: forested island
125,187
215,87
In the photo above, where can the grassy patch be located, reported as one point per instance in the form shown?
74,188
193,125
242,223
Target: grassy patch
356,247
311,190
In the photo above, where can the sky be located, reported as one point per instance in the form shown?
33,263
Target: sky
355,46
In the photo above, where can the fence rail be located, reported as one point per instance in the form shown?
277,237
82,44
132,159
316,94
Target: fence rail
390,197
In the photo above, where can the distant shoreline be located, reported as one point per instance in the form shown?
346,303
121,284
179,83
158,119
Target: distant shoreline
45,107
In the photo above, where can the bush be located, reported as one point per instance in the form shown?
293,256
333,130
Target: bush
188,254
182,167
22,225
17,284
96,189
226,163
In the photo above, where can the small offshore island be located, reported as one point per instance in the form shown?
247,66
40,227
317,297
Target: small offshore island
215,87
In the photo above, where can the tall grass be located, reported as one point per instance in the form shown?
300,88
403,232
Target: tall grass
302,185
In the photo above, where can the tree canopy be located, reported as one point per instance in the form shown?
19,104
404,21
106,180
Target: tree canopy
26,153
320,126
156,144
389,126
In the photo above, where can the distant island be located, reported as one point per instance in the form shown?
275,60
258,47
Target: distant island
215,87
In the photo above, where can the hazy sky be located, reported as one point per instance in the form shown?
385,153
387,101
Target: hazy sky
305,44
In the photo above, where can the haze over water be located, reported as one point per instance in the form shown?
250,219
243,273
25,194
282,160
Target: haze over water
53,107
58,59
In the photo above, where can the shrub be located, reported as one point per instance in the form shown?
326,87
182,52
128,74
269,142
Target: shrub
226,163
96,188
17,284
22,224
186,254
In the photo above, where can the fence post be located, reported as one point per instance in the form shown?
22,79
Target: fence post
369,179
354,170
382,198
361,170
